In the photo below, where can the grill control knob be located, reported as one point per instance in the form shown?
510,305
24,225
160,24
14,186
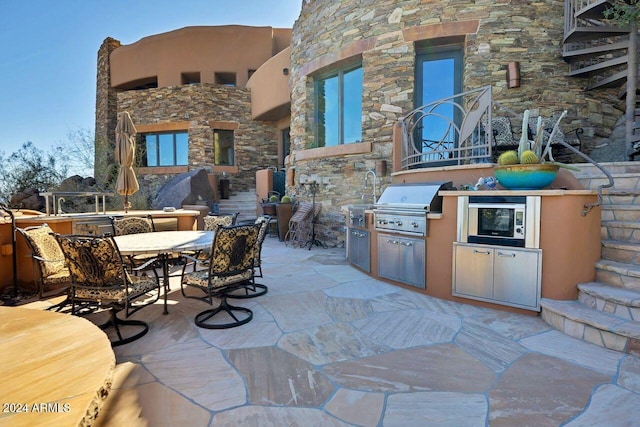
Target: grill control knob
414,224
399,223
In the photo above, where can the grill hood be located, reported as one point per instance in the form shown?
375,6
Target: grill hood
421,196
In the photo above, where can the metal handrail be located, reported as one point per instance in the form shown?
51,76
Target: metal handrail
476,122
467,142
589,206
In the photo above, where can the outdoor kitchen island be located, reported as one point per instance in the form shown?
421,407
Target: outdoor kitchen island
568,243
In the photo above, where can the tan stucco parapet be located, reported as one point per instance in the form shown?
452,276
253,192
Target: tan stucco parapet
349,51
447,29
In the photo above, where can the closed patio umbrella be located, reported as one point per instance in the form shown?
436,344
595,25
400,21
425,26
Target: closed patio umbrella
127,183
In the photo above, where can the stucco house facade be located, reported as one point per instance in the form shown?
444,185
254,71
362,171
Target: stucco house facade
187,92
341,79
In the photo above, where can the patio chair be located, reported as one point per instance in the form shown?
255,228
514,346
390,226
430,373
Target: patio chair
300,224
213,221
253,290
99,274
49,269
230,267
133,225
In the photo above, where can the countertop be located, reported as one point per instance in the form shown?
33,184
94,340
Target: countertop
89,215
550,192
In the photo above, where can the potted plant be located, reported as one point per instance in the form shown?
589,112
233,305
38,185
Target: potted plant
269,204
526,168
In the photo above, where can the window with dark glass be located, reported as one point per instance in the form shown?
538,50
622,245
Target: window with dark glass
338,107
166,149
226,79
223,145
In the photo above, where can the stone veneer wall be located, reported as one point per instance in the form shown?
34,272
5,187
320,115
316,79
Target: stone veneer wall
106,117
198,104
384,32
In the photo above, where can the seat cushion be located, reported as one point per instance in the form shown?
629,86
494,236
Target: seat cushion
200,279
61,277
46,246
138,286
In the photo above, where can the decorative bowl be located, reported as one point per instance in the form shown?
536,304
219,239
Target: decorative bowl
526,176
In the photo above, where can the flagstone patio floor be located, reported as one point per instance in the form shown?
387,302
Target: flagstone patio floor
330,346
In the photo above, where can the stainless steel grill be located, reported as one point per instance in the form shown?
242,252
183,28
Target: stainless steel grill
403,208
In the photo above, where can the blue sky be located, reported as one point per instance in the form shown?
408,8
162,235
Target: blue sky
49,54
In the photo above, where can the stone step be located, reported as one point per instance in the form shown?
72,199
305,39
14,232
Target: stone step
621,196
623,252
588,324
624,212
620,169
624,231
244,203
621,302
249,196
618,274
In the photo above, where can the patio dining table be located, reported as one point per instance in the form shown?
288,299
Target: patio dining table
164,244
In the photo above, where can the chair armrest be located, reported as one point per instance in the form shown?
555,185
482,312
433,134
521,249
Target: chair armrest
39,258
145,266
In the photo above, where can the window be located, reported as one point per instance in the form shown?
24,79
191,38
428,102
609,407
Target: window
223,147
166,149
438,76
190,78
338,107
226,79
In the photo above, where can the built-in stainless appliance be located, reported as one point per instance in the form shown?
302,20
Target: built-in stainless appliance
403,208
499,220
358,238
402,225
496,257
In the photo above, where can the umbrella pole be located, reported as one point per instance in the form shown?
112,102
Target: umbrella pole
126,204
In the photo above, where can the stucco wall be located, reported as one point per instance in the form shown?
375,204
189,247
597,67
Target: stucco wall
384,33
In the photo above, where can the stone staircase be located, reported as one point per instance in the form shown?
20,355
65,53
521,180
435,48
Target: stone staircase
245,203
607,311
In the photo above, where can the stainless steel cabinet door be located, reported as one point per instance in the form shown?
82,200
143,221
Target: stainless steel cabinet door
516,276
359,249
473,271
402,259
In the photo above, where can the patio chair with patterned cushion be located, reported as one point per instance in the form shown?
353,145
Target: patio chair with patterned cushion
123,226
212,222
99,274
49,269
230,267
253,290
132,225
